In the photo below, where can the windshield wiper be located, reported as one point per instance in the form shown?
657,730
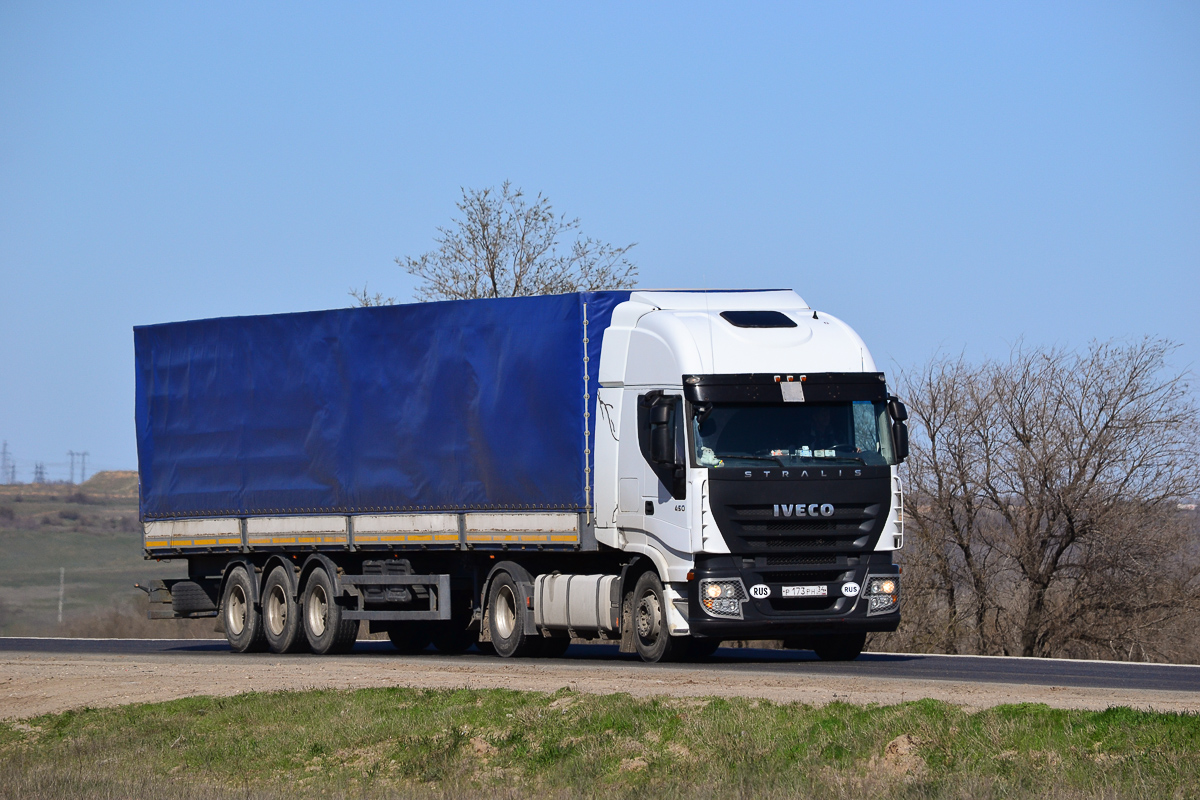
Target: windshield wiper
776,459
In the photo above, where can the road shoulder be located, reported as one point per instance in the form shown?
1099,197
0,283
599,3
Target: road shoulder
41,683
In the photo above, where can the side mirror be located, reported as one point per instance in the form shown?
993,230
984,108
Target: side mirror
900,439
896,409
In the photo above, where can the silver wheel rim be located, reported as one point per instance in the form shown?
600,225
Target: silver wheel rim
235,610
649,617
318,610
505,612
276,610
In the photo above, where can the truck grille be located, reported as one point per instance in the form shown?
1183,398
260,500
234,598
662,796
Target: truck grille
800,559
816,576
754,525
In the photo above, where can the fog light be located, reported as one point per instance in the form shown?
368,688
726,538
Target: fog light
883,594
723,598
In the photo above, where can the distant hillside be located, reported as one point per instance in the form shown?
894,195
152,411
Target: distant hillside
113,483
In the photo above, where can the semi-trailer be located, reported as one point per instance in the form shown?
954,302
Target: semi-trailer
667,469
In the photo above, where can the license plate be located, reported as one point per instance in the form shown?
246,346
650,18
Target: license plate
806,591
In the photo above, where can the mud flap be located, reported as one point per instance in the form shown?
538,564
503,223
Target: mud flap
677,604
627,645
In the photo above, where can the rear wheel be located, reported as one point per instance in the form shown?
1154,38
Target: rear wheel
844,647
281,614
243,623
324,626
651,637
506,619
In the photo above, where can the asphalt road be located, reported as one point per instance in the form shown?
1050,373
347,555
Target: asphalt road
980,669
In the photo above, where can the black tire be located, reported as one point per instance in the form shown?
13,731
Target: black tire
651,637
844,647
409,637
281,613
240,614
324,626
188,597
700,649
554,646
506,619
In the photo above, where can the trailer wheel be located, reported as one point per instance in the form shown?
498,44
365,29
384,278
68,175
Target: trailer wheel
651,636
844,647
409,637
324,626
281,614
506,619
243,624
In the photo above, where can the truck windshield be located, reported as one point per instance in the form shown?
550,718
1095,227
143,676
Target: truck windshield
793,434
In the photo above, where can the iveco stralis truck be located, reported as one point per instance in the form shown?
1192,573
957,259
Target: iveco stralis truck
667,469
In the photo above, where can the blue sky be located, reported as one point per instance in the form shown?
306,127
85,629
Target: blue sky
947,177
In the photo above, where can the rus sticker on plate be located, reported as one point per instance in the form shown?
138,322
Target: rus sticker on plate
806,591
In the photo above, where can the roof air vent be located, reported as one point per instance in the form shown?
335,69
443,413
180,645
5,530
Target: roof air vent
758,319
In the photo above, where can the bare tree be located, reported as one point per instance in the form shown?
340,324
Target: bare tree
364,299
504,245
1043,503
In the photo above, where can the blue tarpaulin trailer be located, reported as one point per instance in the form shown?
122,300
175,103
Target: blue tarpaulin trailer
454,406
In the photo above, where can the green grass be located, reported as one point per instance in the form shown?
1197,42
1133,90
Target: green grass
407,742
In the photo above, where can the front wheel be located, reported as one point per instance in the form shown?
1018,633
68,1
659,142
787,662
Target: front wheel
651,636
324,626
844,647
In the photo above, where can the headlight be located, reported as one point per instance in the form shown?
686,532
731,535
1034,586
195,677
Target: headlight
881,586
722,598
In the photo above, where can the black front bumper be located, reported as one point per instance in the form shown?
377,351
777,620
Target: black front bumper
775,617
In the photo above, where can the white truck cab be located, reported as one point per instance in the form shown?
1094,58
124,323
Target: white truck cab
745,446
